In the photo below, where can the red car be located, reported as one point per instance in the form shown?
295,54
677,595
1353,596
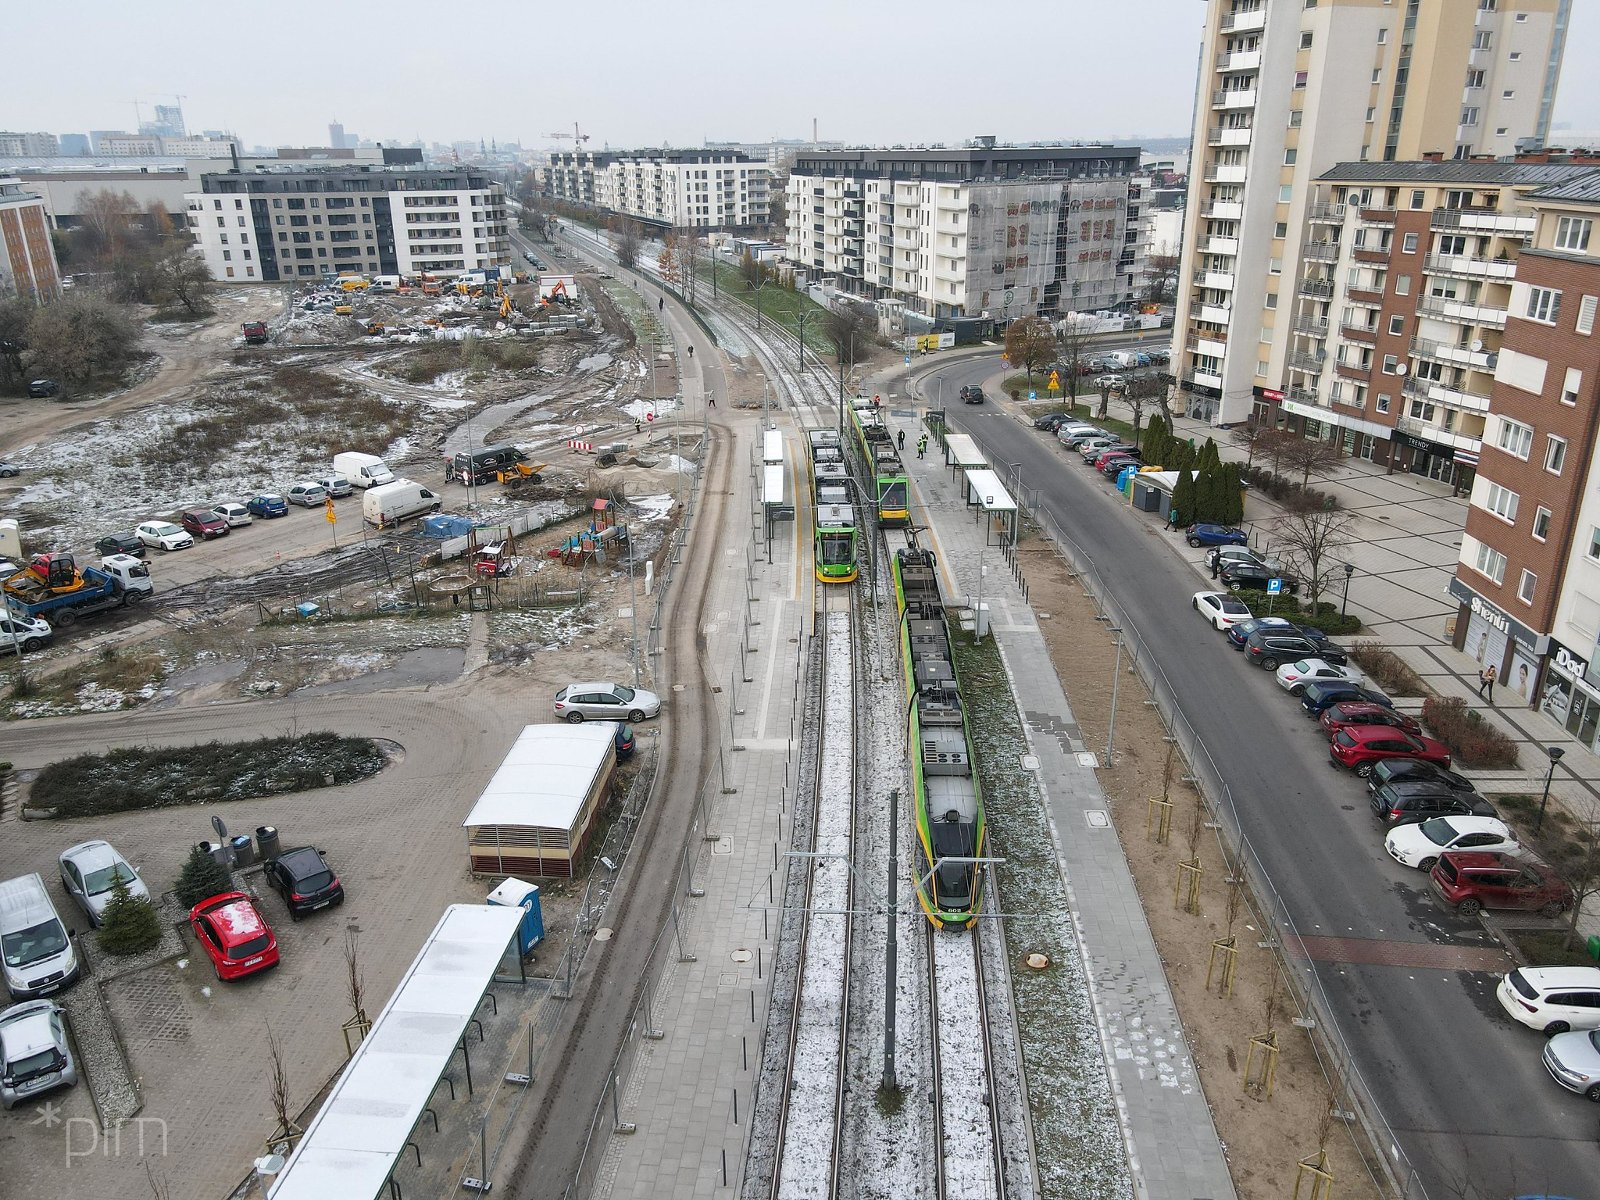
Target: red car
203,523
234,934
1472,880
1361,746
1360,712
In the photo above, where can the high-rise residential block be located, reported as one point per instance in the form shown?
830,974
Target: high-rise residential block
28,265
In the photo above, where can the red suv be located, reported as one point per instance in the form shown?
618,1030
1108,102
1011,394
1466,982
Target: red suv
204,524
1474,880
1360,712
1360,746
234,935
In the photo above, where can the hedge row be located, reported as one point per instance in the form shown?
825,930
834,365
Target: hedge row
1473,741
1323,615
1290,493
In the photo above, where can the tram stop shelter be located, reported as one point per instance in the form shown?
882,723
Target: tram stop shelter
989,497
354,1143
961,453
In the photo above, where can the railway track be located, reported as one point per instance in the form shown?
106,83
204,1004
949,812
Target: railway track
966,1105
810,1157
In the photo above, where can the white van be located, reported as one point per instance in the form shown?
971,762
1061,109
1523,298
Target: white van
395,502
362,470
386,283
38,956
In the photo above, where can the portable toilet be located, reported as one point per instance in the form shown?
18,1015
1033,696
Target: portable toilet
514,893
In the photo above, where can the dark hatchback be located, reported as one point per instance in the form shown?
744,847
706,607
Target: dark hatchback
1257,576
1270,649
121,543
1320,696
1407,803
304,880
1416,770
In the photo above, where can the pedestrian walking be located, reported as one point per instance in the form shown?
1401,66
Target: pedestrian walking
902,443
922,445
712,399
1486,679
691,351
661,303
1216,564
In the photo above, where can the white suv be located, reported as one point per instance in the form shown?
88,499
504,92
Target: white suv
1552,999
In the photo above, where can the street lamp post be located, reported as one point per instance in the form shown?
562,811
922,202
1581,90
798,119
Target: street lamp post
1116,677
1555,753
1349,570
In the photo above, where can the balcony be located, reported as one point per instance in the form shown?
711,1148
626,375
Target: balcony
1232,99
1347,398
1375,216
1222,281
1320,251
1463,312
1471,267
1364,295
1462,356
1366,254
1222,245
1483,220
1224,210
1304,395
1225,173
1314,326
1202,343
1443,393
1321,289
1205,378
1228,137
1326,214
1243,22
1351,371
1217,314
1301,361
1239,60
1359,333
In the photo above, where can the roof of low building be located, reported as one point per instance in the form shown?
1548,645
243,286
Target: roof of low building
1451,170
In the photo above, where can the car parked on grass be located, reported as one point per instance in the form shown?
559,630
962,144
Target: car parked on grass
605,701
1419,843
1414,770
164,535
1360,746
1315,697
1552,999
267,504
121,543
204,524
1294,676
89,872
35,1055
1573,1060
235,515
1207,534
1269,649
307,494
234,935
1472,880
1363,712
304,880
1222,609
1258,576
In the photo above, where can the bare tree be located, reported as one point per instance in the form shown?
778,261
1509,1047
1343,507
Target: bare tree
669,263
848,328
181,275
1160,273
1073,342
1254,438
627,242
278,1090
778,209
1030,344
691,248
1309,456
1141,392
1312,538
15,314
81,336
105,224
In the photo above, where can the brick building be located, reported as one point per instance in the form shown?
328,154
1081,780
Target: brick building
27,255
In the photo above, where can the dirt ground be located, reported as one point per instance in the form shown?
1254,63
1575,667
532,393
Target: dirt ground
1264,1137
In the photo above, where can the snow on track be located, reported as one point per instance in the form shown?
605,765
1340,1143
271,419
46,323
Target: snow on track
965,1128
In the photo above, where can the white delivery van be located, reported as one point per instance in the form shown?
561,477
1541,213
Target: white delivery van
1122,360
362,470
38,956
386,283
394,502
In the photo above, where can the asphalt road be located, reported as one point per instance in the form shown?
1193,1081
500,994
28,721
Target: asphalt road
1461,1086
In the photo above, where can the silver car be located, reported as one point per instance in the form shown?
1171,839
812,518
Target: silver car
1573,1059
605,702
89,872
34,1054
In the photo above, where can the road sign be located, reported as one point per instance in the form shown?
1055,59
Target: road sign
1055,381
333,517
908,360
1032,394
1274,587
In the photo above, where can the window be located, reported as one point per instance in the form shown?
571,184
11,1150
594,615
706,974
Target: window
1281,229
1508,95
1515,56
1377,74
1390,363
1383,402
1571,386
1270,300
1417,199
1469,115
1402,285
1289,156
1544,304
1526,587
1371,112
1305,39
1515,438
1408,244
1383,37
1397,325
1300,80
1261,368
1555,454
227,256
1586,309
1502,502
1421,411
1594,544
1541,524
1488,5
1481,40
1474,79
1572,233
1501,130
1491,563
230,272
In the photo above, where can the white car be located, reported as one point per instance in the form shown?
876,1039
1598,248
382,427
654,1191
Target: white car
307,493
89,872
1293,677
1222,609
35,1055
1114,382
234,514
1552,999
605,702
163,534
1420,844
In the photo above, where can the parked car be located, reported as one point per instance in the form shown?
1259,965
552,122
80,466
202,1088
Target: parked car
1419,843
24,635
1360,746
1552,999
304,880
43,389
1094,445
972,394
1107,452
1257,576
1112,382
1414,770
1222,609
1472,880
8,470
234,935
1315,697
1240,633
234,514
605,701
336,486
1227,554
35,1055
1363,712
1294,676
1269,649
1573,1060
1114,466
163,534
1205,534
1052,421
626,741
1402,803
204,524
307,493
1073,436
121,543
267,504
89,872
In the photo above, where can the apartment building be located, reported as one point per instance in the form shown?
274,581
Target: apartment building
276,224
1395,326
29,145
703,189
974,231
28,265
1289,89
1528,580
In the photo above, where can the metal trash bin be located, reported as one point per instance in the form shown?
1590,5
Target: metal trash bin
218,852
243,852
266,842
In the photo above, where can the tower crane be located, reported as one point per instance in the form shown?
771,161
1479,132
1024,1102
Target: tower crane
576,136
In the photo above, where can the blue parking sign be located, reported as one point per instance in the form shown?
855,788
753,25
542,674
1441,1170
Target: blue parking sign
908,360
1032,395
1274,587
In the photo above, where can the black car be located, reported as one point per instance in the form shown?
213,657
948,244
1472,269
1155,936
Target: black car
1051,421
1322,695
1256,575
1415,770
1407,803
972,394
305,880
43,389
1113,465
1269,649
120,543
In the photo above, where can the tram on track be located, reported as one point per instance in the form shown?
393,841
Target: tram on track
835,534
944,778
891,486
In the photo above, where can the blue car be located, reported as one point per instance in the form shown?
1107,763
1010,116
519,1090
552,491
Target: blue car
267,504
1238,634
1317,697
1217,535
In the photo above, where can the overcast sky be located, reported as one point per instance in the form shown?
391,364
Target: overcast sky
633,73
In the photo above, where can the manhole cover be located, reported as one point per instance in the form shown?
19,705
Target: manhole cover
602,935
741,956
1088,759
677,687
1030,762
1097,818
